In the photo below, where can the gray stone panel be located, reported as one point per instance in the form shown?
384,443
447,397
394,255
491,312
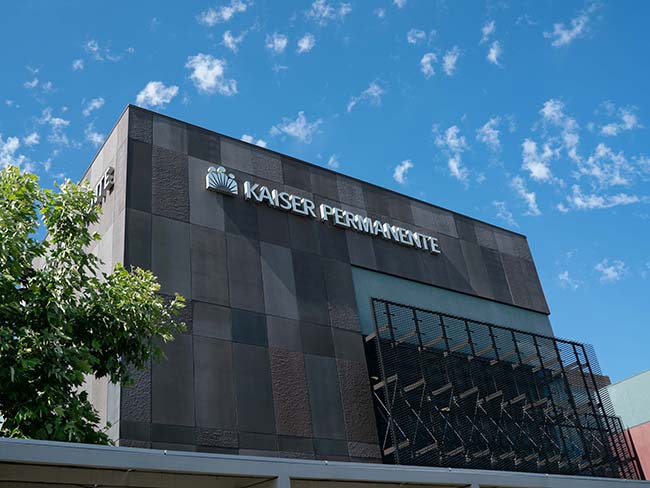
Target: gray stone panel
169,184
138,239
399,208
485,235
324,397
333,242
296,174
296,444
172,389
212,321
364,450
284,333
494,266
253,440
266,165
333,449
139,431
177,434
340,295
350,191
213,384
348,345
443,221
245,273
465,228
456,267
170,134
240,217
203,144
310,288
249,327
273,226
324,184
140,125
513,244
252,372
278,279
209,265
138,179
361,250
135,399
206,207
304,233
290,397
376,200
236,155
478,274
534,286
316,339
217,438
360,421
516,279
170,255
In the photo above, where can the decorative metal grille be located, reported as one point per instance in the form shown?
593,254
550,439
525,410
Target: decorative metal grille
454,392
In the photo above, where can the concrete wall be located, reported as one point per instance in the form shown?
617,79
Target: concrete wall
272,362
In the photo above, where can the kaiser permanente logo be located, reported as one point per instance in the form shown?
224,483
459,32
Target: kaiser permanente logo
217,180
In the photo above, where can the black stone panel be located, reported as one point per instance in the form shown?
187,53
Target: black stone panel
516,279
273,226
137,250
252,374
360,422
456,267
284,333
316,339
310,288
209,265
240,217
325,397
245,273
211,320
348,345
249,327
296,174
340,295
324,184
497,275
333,242
267,166
213,384
138,176
203,144
170,134
361,250
172,387
176,434
169,184
304,233
206,207
236,155
135,399
350,191
478,275
140,125
465,228
278,277
170,255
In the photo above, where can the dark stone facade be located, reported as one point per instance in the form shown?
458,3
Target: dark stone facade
273,361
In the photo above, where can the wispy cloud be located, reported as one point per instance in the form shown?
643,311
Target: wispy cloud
208,75
333,161
578,200
232,42
563,34
487,30
251,140
93,137
399,3
426,64
103,53
300,128
529,197
627,120
323,12
504,213
494,53
400,171
78,64
276,43
371,95
306,43
92,105
223,13
57,126
611,272
454,145
415,36
566,281
449,61
488,134
32,139
155,94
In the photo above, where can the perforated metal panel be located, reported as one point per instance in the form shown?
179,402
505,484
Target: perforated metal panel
455,392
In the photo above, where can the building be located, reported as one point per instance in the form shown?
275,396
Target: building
631,401
330,319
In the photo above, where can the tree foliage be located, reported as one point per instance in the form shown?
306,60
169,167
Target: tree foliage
61,318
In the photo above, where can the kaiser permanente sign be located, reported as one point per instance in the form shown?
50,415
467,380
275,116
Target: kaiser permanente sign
218,180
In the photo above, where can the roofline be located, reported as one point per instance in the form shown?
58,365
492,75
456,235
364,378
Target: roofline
130,105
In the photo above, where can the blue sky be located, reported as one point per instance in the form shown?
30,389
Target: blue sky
532,115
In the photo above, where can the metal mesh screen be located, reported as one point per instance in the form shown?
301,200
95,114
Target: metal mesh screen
454,392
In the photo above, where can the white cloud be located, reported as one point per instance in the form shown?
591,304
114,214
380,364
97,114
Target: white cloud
581,201
372,95
536,162
8,150
628,121
380,13
399,3
529,197
487,30
606,168
563,35
494,53
454,144
94,137
57,126
33,83
276,43
94,104
300,129
99,53
251,140
504,213
449,61
32,139
208,75
322,12
566,281
224,13
414,36
611,273
400,171
488,134
333,161
78,64
232,42
306,43
553,115
156,94
426,64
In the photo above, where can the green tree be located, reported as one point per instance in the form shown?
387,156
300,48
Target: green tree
61,318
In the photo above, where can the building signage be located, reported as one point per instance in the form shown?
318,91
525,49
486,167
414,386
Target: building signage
217,180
